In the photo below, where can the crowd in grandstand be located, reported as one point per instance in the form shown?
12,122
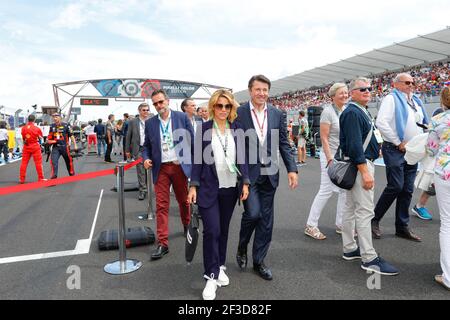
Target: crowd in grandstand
429,82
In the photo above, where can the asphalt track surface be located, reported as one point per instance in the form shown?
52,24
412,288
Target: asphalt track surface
54,219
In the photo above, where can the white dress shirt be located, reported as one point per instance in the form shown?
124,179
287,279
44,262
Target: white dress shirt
386,121
226,178
194,124
169,155
142,131
260,120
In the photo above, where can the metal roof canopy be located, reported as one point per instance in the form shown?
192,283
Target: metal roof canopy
117,89
422,50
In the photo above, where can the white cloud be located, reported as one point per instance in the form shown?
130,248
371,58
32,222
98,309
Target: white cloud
82,12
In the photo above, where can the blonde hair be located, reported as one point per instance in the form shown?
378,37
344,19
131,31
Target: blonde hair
227,95
445,98
335,87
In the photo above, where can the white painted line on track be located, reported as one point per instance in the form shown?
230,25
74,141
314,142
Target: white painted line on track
10,161
96,215
82,246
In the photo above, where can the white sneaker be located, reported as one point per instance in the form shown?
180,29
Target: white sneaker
223,279
209,293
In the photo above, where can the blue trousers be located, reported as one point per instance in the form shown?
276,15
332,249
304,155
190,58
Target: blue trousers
216,223
101,144
258,218
400,177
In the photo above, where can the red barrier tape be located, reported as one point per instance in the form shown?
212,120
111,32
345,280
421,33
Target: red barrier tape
65,180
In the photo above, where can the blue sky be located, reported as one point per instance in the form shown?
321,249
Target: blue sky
223,43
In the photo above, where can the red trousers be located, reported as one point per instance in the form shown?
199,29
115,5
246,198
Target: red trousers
170,174
92,139
28,151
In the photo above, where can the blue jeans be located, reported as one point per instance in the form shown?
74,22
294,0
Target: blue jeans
101,144
400,177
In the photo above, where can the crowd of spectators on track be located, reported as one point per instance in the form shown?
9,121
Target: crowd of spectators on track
429,82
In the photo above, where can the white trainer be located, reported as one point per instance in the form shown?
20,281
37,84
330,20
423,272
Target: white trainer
209,293
223,279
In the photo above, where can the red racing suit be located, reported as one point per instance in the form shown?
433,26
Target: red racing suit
31,148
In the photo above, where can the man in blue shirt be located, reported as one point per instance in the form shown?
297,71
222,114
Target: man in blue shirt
356,125
100,130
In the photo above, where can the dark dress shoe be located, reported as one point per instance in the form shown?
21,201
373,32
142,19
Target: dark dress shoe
241,258
263,271
141,196
159,252
408,235
376,233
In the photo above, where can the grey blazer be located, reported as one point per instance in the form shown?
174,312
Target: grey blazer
133,139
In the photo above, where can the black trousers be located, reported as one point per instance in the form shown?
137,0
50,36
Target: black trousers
109,147
4,149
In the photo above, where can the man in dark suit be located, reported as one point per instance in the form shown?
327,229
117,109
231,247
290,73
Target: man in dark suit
265,135
134,145
126,117
168,150
188,106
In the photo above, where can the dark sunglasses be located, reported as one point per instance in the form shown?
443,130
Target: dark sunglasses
221,106
408,83
158,102
367,89
145,110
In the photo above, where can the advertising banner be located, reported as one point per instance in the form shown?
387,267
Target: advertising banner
131,88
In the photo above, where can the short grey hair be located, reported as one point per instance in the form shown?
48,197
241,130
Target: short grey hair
335,87
359,79
400,75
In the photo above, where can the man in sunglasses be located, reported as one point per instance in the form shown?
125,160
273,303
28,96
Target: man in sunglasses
134,145
168,150
359,144
399,117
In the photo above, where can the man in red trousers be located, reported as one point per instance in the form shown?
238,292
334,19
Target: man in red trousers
31,134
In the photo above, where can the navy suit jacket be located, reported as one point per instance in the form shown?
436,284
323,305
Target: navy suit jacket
184,142
275,122
204,176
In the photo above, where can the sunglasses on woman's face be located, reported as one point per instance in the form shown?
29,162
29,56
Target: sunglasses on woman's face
221,106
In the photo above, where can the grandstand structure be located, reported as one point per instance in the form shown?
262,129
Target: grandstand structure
403,56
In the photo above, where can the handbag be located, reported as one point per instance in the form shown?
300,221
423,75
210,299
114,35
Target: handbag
192,234
342,171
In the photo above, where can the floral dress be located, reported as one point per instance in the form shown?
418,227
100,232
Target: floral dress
439,144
